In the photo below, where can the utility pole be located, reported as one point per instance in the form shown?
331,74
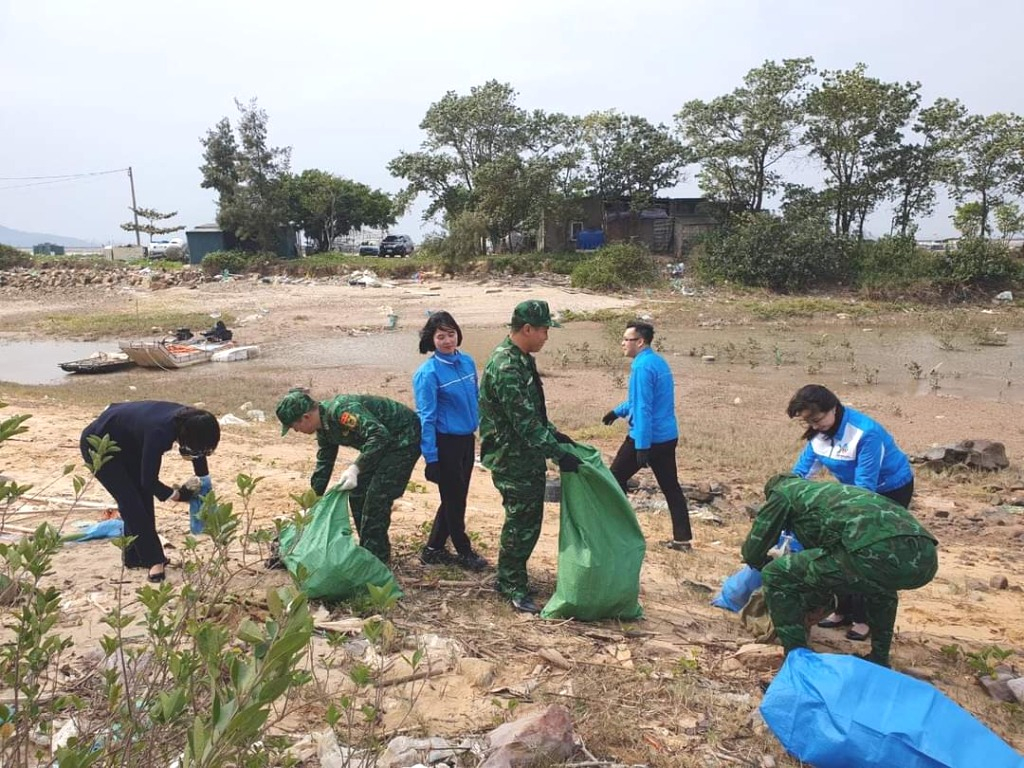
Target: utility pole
135,213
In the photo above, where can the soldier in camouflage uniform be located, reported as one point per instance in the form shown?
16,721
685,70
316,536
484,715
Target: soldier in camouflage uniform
387,435
857,542
516,438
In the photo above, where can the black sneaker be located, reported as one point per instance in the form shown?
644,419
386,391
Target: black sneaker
431,556
525,605
471,561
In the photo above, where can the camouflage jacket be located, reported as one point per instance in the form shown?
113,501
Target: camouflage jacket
514,426
827,515
374,425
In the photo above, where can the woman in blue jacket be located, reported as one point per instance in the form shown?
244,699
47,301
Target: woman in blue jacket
446,392
857,451
143,432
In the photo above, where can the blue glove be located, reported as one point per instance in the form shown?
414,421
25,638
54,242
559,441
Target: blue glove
195,525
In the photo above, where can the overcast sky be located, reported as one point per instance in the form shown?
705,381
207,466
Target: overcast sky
87,87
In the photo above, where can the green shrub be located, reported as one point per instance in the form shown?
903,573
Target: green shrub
236,261
981,264
767,251
11,257
616,267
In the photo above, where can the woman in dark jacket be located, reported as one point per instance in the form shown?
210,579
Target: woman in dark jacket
143,432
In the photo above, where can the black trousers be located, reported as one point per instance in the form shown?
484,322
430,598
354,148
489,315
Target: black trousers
853,605
135,505
455,455
661,458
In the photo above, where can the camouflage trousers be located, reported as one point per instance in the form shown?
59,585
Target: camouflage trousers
371,500
801,582
522,495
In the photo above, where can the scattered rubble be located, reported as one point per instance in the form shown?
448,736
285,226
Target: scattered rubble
988,455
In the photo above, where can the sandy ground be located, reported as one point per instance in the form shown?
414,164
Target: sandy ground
632,698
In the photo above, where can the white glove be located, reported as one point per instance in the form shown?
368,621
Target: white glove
782,548
349,478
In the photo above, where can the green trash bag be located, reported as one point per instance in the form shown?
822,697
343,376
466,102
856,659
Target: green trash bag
600,546
333,565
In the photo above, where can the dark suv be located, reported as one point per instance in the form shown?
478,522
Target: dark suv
396,245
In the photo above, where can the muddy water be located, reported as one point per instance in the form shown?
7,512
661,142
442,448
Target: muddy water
35,362
894,362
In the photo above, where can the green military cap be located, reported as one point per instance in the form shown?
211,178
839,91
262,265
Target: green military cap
293,407
534,312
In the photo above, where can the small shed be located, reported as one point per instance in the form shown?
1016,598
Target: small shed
47,249
205,239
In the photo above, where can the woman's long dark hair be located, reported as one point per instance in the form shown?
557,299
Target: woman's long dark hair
438,320
816,399
197,430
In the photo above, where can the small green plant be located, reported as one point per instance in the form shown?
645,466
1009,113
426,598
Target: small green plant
985,660
916,371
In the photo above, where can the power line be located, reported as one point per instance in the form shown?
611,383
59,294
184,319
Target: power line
62,175
34,180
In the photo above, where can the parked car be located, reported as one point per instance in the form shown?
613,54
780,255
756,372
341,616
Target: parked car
396,245
368,249
158,248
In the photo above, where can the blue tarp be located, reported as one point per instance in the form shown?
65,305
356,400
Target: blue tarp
837,711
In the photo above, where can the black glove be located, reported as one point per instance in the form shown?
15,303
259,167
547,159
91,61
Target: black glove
564,438
433,472
184,493
641,458
609,418
569,463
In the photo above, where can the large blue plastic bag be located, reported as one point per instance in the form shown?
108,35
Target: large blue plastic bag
837,711
738,588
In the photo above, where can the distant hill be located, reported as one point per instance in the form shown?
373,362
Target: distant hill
20,239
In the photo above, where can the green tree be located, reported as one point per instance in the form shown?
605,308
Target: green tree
463,134
325,206
912,185
151,228
1009,221
855,124
628,156
979,157
484,153
740,138
249,176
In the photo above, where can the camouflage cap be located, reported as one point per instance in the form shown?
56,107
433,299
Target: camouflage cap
774,481
534,312
293,407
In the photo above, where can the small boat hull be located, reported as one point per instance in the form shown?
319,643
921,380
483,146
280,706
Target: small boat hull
101,363
172,354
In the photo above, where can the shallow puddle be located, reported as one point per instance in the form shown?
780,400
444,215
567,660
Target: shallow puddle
35,362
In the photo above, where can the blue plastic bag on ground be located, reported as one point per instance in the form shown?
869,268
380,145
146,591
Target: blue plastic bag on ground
195,525
738,588
104,529
835,711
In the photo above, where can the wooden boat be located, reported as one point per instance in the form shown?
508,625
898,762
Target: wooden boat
100,362
175,353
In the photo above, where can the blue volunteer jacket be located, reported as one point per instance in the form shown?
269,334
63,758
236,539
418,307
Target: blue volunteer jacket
861,453
651,402
446,392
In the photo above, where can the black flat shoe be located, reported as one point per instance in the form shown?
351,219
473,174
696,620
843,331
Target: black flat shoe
852,634
833,624
157,578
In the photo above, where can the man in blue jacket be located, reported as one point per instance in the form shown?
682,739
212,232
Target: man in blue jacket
653,432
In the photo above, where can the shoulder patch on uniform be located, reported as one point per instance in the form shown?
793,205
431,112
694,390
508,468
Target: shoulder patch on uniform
348,421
